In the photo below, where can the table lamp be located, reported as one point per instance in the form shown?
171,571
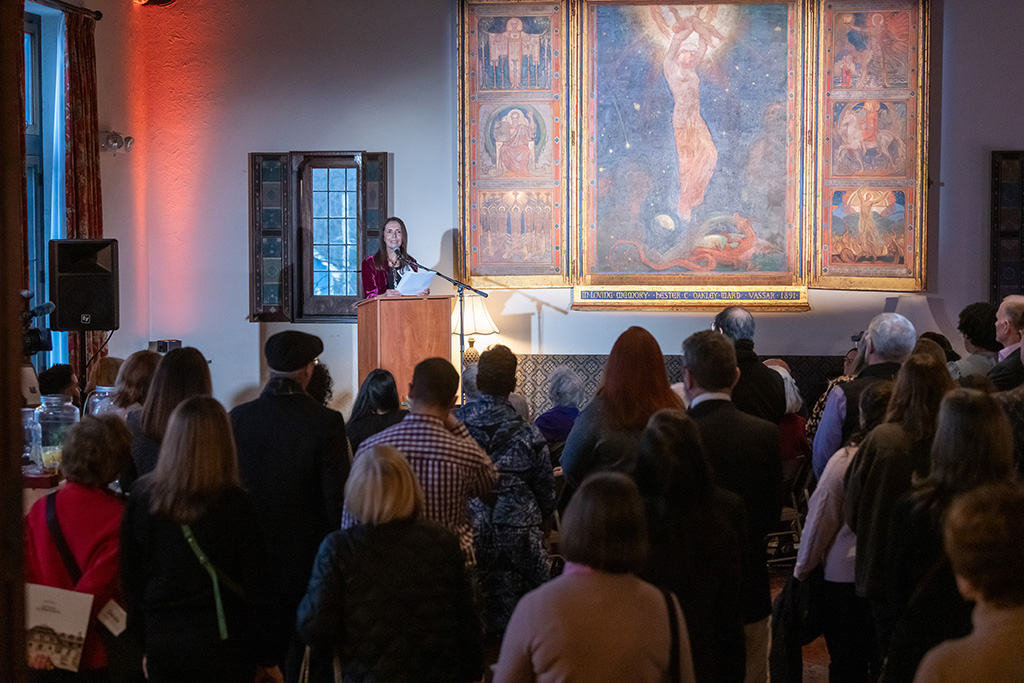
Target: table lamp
478,321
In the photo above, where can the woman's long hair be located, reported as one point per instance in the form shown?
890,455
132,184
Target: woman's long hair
197,461
920,385
134,378
973,446
378,392
181,374
380,259
672,467
635,383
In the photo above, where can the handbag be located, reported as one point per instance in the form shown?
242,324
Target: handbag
305,668
124,654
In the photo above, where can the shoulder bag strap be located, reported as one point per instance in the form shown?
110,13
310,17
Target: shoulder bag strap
673,628
58,539
222,623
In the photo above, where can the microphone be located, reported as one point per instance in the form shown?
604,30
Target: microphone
43,309
398,253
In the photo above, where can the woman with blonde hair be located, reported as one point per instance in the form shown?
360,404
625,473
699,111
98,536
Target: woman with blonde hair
195,568
391,595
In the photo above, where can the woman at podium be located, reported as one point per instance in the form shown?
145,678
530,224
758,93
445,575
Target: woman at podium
384,270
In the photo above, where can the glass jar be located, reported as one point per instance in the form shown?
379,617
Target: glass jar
101,401
33,437
55,416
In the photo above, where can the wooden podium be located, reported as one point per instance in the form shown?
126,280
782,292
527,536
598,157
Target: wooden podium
397,332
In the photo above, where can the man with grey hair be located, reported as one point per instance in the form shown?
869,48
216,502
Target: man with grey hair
760,391
1009,371
566,395
889,340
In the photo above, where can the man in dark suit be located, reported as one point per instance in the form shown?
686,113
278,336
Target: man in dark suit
293,458
760,391
1009,371
744,453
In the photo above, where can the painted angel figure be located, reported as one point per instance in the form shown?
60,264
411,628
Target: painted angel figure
513,43
692,37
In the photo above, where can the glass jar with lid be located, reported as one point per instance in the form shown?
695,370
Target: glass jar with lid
55,417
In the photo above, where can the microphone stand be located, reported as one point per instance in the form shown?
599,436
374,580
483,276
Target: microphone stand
460,287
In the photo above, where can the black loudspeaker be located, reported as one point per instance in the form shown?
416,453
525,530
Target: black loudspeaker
83,285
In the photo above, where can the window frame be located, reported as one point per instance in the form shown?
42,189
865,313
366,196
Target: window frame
293,277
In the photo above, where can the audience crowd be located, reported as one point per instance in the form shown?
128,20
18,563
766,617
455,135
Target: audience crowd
624,538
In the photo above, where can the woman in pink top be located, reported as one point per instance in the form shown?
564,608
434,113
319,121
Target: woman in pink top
597,621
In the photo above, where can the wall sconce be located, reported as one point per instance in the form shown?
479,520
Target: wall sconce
114,142
478,321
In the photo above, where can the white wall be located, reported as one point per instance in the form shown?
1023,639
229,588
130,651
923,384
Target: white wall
202,83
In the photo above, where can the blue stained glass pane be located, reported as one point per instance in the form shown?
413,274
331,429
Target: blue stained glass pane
271,219
320,235
29,97
320,204
351,178
337,231
272,247
319,178
337,179
350,259
271,171
319,259
321,284
351,231
372,245
337,209
372,171
353,283
271,295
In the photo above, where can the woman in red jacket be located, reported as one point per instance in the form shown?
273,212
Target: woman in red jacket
88,516
384,270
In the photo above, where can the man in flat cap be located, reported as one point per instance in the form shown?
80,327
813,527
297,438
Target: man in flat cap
293,458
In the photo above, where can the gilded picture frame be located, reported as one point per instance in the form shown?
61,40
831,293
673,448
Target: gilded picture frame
872,145
513,144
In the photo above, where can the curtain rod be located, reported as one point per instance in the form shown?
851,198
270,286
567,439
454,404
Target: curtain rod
68,7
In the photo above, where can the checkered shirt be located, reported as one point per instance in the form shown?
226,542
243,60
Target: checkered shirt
451,468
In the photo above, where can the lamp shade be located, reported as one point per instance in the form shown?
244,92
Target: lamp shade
478,321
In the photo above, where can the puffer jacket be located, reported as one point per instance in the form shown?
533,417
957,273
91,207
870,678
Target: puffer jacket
395,602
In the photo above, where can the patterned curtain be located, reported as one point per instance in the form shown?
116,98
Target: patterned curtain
82,162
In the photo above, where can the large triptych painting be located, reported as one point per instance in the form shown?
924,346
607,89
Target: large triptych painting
678,155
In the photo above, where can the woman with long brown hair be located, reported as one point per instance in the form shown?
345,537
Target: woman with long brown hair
194,564
181,374
606,435
884,468
973,447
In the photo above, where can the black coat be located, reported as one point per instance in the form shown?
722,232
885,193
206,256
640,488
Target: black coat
760,390
1008,374
293,459
170,598
396,603
744,453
